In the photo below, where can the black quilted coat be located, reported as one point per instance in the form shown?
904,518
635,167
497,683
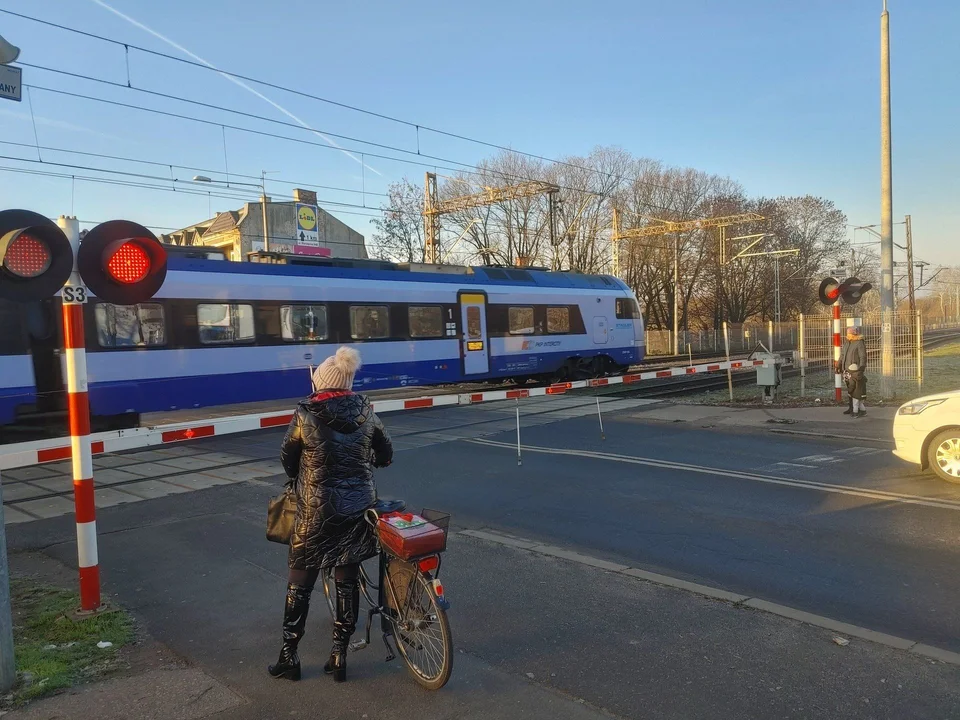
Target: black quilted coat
331,447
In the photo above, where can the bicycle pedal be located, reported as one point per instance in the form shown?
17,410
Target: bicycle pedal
358,645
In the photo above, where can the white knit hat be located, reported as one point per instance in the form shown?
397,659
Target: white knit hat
337,371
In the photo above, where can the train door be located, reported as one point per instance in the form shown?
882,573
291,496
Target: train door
474,346
601,331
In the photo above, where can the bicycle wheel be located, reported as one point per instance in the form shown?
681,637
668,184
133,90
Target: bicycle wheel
422,630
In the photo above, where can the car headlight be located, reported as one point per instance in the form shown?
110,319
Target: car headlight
917,408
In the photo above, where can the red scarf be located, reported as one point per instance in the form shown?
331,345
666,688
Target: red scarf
328,394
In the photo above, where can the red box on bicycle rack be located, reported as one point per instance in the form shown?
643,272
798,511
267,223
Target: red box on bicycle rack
409,536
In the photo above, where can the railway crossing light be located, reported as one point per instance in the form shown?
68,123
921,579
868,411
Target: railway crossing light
829,290
849,291
122,262
853,289
35,256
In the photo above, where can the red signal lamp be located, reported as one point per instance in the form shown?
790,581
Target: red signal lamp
829,291
35,256
122,262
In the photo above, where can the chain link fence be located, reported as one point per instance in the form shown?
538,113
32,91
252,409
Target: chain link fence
743,339
907,330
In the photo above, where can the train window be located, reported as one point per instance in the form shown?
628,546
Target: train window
303,323
369,322
223,324
521,320
130,325
426,321
627,309
473,323
558,320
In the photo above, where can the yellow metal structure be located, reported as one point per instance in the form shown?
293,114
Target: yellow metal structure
665,227
434,207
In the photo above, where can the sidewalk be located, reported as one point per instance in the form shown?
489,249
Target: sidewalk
537,634
827,421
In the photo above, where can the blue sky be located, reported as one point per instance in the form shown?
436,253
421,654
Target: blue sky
782,96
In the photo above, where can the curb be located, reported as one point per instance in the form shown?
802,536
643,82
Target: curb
859,438
737,600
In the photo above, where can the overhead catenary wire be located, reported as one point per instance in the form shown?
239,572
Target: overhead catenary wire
141,161
418,126
463,167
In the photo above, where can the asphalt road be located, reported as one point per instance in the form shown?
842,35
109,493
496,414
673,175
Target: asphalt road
834,527
759,514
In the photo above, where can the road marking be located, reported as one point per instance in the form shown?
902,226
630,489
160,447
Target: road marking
943,504
735,599
822,459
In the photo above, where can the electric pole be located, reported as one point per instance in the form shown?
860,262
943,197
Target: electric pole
910,288
888,380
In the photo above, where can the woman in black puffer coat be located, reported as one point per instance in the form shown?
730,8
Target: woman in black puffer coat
331,447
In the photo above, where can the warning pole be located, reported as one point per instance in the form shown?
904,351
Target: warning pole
74,298
8,663
837,377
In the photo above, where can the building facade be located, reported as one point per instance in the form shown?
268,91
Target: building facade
239,232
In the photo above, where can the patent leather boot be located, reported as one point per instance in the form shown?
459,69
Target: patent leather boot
348,605
294,623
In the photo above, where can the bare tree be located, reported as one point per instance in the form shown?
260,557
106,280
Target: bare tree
399,235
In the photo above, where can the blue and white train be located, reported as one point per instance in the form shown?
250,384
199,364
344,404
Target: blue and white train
225,332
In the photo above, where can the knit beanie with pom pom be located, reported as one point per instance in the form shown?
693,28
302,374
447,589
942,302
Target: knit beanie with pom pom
337,371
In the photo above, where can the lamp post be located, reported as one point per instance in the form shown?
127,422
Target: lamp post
887,380
263,201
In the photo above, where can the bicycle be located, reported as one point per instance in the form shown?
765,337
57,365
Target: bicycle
410,602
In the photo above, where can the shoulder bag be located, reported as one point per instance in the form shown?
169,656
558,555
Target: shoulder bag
281,516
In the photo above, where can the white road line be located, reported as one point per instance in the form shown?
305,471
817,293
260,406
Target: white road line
790,482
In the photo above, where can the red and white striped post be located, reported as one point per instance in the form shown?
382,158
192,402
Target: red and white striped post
837,377
74,298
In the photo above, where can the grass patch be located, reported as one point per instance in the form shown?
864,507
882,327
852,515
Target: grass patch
53,650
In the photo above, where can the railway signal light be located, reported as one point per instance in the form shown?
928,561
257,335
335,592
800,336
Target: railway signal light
35,256
853,289
122,262
849,291
829,290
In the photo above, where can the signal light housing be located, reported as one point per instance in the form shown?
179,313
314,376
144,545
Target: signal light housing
35,256
122,262
850,290
829,291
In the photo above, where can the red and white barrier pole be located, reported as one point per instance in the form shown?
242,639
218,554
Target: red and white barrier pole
837,377
74,298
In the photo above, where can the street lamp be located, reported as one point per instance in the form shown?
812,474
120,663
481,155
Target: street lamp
263,200
8,53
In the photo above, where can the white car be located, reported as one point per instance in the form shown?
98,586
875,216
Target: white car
927,433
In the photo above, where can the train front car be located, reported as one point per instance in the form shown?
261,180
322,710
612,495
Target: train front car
222,333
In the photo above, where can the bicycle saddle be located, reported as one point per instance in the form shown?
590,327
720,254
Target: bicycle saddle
388,506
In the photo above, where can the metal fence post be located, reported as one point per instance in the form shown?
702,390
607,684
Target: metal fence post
8,664
919,351
726,344
803,361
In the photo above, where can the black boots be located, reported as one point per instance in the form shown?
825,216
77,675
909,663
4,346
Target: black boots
294,622
348,605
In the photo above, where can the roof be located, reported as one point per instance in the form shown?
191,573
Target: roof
376,270
224,222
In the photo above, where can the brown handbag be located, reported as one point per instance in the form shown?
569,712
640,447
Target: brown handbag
281,516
